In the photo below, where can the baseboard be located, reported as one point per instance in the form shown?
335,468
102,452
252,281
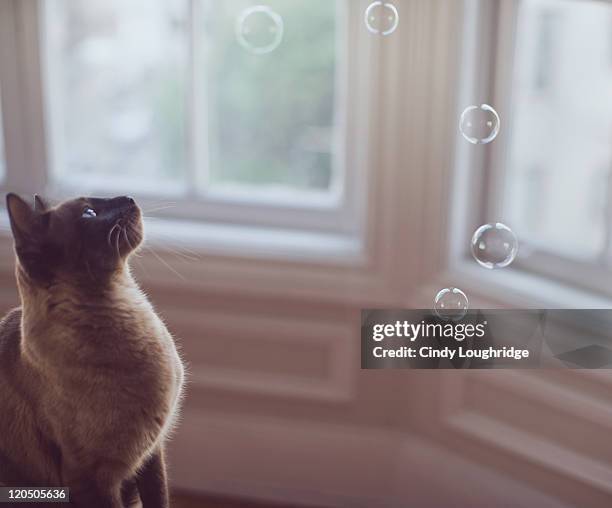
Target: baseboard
333,465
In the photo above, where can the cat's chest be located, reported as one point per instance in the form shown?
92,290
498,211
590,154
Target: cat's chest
136,345
128,370
119,379
123,352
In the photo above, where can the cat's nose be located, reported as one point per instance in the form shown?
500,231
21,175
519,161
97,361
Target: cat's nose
128,201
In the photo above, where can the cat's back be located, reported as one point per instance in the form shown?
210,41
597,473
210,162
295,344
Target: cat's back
26,456
10,338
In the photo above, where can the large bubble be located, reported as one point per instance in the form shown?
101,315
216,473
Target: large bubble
259,29
494,245
381,18
479,124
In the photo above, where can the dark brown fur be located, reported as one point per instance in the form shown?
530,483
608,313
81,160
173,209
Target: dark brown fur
90,379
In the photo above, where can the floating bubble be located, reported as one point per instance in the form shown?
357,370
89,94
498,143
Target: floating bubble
479,124
259,29
494,245
381,18
451,303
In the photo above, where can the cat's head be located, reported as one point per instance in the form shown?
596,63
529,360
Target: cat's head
82,238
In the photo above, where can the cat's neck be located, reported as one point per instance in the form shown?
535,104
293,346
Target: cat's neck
65,296
65,320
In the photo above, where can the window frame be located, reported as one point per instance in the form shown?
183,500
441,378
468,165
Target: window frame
339,212
489,39
413,190
22,99
376,266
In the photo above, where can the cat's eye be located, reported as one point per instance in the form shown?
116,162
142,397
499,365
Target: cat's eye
88,213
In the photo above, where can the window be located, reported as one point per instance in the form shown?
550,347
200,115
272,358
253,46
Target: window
610,37
548,172
545,55
117,91
273,117
141,95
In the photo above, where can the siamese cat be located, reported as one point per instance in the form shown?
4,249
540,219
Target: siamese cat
90,378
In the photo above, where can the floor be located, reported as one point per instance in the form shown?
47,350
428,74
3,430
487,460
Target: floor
186,500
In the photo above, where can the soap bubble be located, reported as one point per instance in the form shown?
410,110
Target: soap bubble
479,124
494,245
259,29
451,303
381,18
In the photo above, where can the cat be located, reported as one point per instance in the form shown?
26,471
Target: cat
90,378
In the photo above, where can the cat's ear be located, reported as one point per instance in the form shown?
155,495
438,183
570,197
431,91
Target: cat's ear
39,204
25,221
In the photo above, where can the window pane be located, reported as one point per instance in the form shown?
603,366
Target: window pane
559,178
117,82
270,111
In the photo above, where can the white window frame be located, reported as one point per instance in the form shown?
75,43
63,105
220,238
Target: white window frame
336,211
22,102
317,259
541,279
416,192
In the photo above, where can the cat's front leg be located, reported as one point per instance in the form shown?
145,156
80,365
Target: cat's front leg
152,481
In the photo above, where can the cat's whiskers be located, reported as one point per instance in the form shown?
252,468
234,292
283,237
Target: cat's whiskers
110,233
179,250
117,243
184,254
127,240
187,253
133,249
181,254
163,261
163,203
159,207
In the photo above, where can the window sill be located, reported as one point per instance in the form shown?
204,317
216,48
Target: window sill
254,242
519,289
205,257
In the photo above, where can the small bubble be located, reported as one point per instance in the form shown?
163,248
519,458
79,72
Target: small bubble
494,245
381,18
451,303
479,124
